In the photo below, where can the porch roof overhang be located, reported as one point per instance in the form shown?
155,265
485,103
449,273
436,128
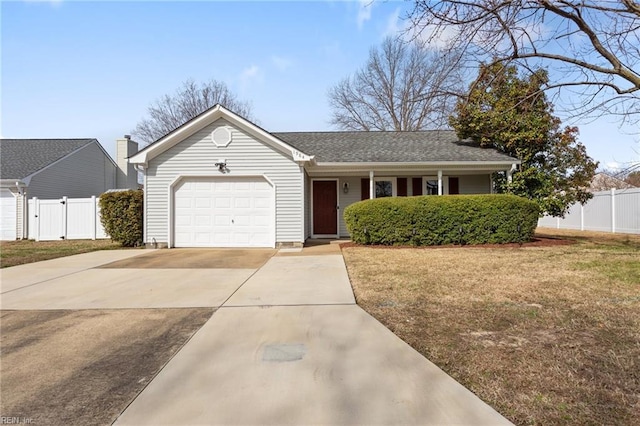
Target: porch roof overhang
13,183
408,168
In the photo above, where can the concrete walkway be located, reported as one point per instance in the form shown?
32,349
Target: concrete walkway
291,347
287,344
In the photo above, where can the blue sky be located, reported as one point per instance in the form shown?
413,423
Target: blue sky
90,69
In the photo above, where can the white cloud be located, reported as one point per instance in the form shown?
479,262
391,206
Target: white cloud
394,27
613,166
364,12
249,76
54,3
428,35
281,63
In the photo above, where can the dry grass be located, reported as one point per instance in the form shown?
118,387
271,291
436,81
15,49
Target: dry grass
546,335
27,251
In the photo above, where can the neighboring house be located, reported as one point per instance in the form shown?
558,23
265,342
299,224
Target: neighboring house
53,168
221,181
603,182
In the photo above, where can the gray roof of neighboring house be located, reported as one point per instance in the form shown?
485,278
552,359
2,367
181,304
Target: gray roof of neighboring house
422,146
20,158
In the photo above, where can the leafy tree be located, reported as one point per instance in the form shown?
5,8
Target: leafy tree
511,114
402,87
592,46
191,99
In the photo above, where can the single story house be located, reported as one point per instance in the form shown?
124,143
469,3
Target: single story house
55,168
222,181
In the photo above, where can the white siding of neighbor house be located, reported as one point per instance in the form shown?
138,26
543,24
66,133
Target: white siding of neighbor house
245,156
86,172
475,184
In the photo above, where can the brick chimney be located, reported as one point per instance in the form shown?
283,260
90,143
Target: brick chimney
127,176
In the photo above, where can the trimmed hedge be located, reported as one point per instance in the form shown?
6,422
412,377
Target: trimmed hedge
452,219
121,215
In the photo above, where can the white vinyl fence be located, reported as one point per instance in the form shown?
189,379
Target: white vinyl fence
617,210
65,219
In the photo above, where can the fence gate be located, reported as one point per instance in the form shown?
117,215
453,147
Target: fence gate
65,219
50,220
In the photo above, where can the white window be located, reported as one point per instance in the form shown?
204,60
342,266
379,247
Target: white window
385,187
430,185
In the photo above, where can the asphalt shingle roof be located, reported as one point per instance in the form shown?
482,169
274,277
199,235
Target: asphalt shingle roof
422,146
20,158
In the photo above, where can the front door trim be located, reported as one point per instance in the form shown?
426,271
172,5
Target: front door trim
313,234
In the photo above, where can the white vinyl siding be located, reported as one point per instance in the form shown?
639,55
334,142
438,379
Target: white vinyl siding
84,173
353,196
245,156
475,184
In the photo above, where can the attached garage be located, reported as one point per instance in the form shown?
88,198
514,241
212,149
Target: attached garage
223,212
8,211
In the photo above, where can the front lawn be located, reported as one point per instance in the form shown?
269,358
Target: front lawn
546,335
27,251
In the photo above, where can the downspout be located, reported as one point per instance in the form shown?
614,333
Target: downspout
142,169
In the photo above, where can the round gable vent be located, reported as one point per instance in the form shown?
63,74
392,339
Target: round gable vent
221,137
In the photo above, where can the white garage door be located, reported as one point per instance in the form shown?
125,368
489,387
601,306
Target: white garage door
7,215
224,212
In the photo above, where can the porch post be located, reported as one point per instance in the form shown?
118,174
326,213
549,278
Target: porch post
510,173
372,193
439,182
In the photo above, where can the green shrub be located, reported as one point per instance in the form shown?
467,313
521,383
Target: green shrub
121,215
433,220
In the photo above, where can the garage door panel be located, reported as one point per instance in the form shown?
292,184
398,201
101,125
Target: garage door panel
222,186
242,202
224,212
262,202
223,202
202,186
202,202
222,220
203,221
242,186
8,221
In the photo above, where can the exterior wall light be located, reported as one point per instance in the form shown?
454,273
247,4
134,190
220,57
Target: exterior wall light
221,165
345,187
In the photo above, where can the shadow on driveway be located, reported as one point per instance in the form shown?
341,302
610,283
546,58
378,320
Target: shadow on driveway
84,367
197,258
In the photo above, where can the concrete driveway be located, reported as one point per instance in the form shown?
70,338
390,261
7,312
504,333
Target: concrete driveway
286,345
131,279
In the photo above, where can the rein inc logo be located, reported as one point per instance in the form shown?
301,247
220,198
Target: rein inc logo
6,420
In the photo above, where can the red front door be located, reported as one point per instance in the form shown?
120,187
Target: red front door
325,207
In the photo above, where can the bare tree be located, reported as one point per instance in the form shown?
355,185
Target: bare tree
191,99
591,48
403,86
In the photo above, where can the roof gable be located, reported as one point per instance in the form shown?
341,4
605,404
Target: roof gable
430,146
208,117
21,158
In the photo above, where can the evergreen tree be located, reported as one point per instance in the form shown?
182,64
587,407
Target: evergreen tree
512,114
